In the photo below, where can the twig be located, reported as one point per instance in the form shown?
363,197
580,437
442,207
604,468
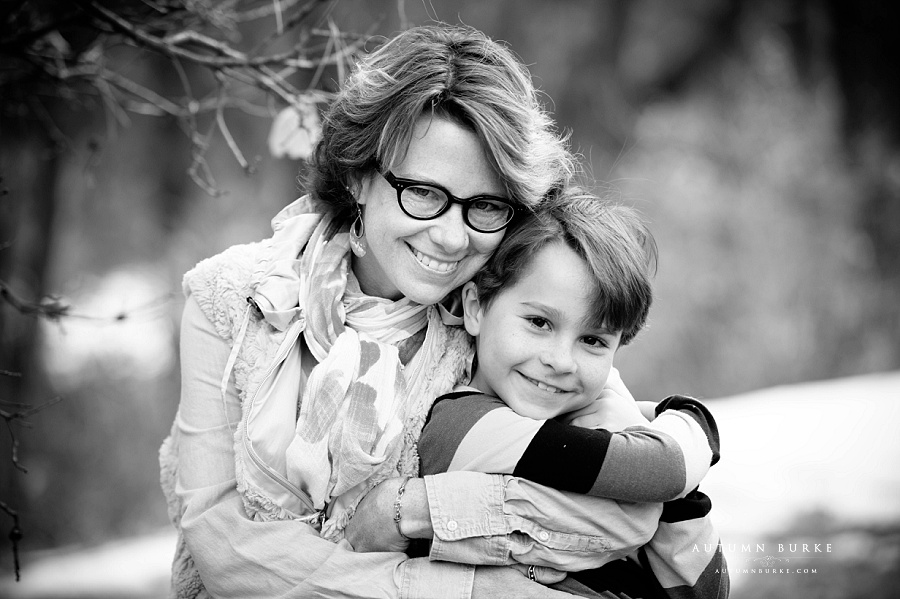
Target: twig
144,93
223,128
55,308
21,415
199,170
15,535
184,37
232,59
265,10
52,308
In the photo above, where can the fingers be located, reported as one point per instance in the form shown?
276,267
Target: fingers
541,574
509,581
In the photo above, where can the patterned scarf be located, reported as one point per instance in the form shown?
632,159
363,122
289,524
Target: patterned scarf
356,399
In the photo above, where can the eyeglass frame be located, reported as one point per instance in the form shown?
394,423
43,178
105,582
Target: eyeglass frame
400,184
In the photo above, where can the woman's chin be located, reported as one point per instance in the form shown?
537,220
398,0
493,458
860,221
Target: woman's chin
427,297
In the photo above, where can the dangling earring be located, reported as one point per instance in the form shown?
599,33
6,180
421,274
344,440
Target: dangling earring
358,235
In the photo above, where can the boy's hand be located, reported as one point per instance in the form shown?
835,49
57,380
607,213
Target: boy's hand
615,383
610,411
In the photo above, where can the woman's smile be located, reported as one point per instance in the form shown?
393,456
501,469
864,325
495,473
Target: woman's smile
433,264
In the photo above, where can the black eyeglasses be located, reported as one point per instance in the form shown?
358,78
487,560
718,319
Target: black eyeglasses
426,201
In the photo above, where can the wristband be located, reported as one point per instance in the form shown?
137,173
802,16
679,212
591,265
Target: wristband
397,516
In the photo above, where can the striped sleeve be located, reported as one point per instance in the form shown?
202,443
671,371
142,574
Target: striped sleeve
473,432
660,461
657,462
685,555
480,433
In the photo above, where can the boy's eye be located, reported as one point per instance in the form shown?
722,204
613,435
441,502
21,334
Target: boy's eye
595,342
539,322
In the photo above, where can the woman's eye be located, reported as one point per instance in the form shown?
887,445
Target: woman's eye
424,193
488,207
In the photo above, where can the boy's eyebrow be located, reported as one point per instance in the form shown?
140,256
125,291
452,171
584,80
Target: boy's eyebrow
557,316
552,312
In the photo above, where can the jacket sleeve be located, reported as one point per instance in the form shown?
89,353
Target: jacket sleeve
240,557
502,520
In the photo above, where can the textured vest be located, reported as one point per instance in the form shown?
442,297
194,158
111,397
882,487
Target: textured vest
221,286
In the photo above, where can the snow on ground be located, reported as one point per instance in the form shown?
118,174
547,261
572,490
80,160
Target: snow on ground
135,568
831,447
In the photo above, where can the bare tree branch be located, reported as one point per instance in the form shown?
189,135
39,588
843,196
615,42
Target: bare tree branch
20,416
198,34
15,535
56,308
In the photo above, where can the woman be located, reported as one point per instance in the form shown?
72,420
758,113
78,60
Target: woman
435,143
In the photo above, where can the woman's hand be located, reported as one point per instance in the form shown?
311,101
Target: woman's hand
372,527
505,581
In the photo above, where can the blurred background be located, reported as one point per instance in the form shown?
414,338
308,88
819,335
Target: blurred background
760,139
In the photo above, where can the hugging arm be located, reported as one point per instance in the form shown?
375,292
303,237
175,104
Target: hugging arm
660,461
240,557
684,555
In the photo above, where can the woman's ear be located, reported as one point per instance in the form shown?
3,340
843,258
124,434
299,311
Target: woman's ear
471,309
358,186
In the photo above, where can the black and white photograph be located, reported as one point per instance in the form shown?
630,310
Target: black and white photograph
449,299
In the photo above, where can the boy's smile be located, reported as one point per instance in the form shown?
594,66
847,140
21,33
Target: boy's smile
536,349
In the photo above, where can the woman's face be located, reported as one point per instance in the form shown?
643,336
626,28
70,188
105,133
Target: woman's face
426,259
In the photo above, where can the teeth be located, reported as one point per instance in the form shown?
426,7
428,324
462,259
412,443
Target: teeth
433,263
545,387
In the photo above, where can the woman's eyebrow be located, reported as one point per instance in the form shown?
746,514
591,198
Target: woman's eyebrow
433,183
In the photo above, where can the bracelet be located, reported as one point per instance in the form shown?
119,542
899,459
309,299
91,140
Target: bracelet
397,516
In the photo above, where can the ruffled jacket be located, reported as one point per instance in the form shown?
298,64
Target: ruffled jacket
265,337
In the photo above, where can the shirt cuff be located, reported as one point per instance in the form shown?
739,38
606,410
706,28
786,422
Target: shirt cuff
421,578
468,518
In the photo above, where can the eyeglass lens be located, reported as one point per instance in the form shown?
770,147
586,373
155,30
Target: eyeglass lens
424,201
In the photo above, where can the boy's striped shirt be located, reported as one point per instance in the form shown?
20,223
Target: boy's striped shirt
663,461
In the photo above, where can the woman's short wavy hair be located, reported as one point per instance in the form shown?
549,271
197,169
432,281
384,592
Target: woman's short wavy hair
612,239
452,72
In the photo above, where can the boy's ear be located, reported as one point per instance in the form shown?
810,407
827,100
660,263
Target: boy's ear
471,309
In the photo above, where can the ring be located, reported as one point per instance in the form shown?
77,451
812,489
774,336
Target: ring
531,575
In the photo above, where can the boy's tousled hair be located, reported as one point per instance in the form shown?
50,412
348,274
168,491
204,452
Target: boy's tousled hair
443,71
612,239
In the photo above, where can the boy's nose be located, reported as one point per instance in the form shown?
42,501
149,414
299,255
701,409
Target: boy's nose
558,356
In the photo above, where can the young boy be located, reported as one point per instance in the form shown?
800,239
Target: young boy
562,293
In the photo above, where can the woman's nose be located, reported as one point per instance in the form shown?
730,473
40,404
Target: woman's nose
449,230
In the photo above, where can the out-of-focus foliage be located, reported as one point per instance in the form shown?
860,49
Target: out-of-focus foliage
760,138
766,275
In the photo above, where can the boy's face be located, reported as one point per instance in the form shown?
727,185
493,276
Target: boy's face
536,349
